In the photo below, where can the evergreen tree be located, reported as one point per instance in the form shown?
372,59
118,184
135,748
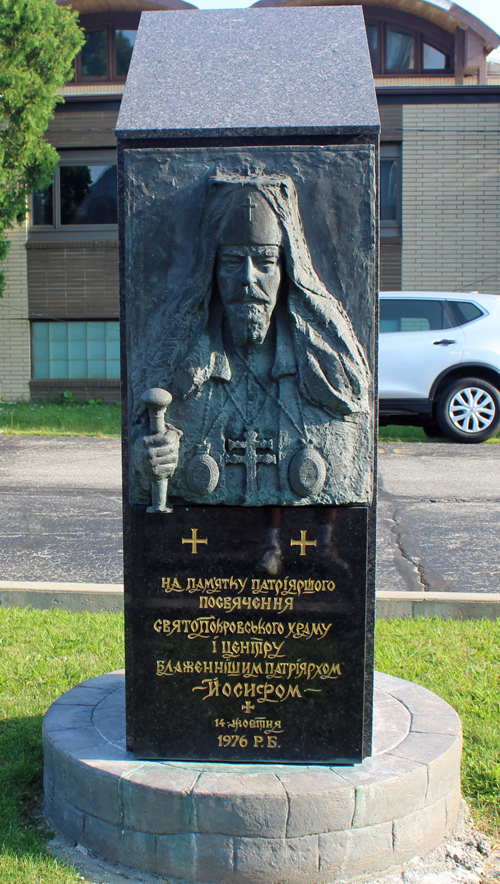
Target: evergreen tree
38,42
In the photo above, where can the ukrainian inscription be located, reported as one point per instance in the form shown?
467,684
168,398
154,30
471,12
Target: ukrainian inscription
238,662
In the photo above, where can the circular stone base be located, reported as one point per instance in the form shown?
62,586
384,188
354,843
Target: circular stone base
255,824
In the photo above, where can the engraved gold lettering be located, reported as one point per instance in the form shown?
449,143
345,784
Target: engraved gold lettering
211,685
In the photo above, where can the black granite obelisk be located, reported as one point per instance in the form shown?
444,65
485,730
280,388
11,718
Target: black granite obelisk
248,147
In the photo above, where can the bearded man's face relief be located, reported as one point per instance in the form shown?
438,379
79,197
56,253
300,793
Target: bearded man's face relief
249,278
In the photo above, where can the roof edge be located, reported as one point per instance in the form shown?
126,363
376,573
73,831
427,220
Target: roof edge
462,17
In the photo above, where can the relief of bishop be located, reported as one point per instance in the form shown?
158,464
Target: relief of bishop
270,386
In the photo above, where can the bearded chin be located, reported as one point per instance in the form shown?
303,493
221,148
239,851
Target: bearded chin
249,325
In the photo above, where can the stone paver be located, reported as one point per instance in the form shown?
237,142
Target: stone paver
253,824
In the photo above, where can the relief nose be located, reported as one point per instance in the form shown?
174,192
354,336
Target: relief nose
247,272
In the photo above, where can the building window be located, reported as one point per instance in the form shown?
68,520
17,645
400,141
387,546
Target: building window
82,194
433,59
124,44
400,50
88,194
390,189
74,350
106,53
94,56
43,207
395,50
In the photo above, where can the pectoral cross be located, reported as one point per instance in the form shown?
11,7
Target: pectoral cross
249,205
251,445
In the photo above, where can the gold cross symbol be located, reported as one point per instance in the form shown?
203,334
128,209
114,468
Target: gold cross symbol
247,706
194,540
303,543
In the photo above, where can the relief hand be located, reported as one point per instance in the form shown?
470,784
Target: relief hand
161,448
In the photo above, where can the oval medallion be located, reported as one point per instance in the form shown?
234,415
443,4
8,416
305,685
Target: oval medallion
307,472
202,474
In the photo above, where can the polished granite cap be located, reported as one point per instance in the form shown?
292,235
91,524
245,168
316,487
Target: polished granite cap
250,72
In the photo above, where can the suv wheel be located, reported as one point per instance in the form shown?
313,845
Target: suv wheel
469,410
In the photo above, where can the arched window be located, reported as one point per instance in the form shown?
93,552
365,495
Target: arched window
398,48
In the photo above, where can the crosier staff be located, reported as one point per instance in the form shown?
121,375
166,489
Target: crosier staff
157,401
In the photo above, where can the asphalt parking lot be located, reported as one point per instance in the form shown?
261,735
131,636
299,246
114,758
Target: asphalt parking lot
439,511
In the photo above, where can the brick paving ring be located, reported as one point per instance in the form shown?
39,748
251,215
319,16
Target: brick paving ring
254,824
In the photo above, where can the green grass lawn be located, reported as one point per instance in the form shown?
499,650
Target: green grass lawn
66,417
44,653
59,418
404,433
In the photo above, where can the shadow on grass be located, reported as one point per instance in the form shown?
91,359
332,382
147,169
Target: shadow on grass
21,785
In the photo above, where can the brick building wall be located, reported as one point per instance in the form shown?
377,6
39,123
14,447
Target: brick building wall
73,280
15,358
451,197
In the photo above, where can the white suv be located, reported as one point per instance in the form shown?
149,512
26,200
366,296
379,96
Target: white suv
439,362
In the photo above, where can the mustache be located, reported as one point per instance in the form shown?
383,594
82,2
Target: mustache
249,293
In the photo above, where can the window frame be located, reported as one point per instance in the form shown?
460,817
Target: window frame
389,152
108,78
58,231
88,379
419,36
111,23
407,32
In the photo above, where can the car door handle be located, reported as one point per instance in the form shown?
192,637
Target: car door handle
444,342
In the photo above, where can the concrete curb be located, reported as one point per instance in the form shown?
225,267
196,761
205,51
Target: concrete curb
108,597
445,605
93,597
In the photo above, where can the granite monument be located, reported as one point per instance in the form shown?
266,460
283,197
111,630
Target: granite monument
249,279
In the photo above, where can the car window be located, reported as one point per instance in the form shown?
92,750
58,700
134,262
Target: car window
411,315
465,312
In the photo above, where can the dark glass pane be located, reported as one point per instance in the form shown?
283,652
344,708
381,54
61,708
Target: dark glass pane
43,206
124,44
88,194
400,51
411,315
434,60
95,55
372,34
466,312
389,190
